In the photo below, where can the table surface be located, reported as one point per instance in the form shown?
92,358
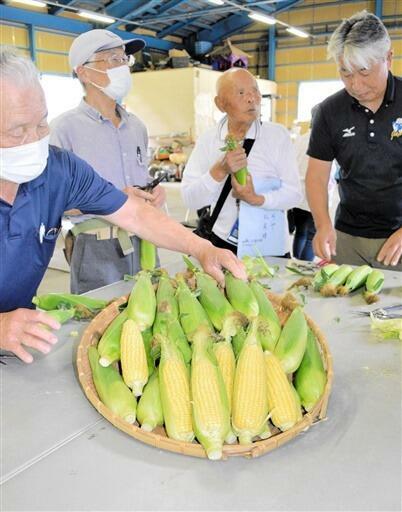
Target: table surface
58,453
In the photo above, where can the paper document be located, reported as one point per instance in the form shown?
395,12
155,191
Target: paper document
265,230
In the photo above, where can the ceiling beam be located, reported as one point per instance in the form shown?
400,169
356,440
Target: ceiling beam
173,28
76,27
170,5
52,9
225,28
144,7
120,8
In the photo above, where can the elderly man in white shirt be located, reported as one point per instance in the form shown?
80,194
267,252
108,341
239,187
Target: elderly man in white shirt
272,157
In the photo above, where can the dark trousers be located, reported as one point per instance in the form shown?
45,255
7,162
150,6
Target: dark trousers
304,234
222,244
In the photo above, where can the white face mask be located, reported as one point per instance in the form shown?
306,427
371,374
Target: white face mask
120,82
24,163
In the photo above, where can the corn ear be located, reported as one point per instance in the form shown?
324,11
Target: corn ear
109,344
374,284
270,326
84,307
61,315
222,315
149,409
111,389
282,405
310,378
250,407
232,144
238,342
299,414
192,314
166,301
240,296
337,279
174,385
322,276
292,341
227,364
209,399
147,339
141,305
133,357
328,270
355,279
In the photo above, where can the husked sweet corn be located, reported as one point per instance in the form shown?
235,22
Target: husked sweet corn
250,407
174,385
134,363
282,405
209,399
227,364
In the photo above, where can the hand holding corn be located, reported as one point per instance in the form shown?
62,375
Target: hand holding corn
233,160
27,327
213,260
246,192
236,159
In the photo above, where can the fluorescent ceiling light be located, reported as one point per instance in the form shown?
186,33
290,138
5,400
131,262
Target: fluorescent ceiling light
216,2
102,18
297,32
31,3
261,17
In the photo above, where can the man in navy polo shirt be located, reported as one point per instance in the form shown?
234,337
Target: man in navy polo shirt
38,183
361,127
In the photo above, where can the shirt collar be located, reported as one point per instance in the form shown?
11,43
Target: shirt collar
40,180
389,96
95,114
253,131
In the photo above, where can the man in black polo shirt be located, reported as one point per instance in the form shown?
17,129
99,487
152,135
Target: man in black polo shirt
361,127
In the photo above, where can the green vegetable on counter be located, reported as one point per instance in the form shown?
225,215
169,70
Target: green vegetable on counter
84,307
388,328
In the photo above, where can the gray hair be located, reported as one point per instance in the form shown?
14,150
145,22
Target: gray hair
15,67
360,40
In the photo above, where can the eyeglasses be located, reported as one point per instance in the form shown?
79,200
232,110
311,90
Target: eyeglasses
115,60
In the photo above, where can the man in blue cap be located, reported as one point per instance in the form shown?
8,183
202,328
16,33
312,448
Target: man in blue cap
114,142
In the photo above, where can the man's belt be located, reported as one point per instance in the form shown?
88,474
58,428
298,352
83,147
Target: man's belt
105,231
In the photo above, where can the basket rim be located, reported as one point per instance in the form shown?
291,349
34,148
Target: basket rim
159,439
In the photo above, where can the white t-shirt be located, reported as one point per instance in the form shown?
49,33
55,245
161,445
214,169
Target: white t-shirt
272,156
301,144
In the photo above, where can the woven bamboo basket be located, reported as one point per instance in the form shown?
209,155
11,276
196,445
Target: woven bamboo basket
158,437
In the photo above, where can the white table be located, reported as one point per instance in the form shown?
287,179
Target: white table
58,453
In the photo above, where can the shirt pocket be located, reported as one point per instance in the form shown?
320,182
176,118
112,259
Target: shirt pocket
44,245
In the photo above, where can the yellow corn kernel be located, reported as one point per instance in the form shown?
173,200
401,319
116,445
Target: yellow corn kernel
133,357
210,404
227,364
250,406
174,385
281,400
